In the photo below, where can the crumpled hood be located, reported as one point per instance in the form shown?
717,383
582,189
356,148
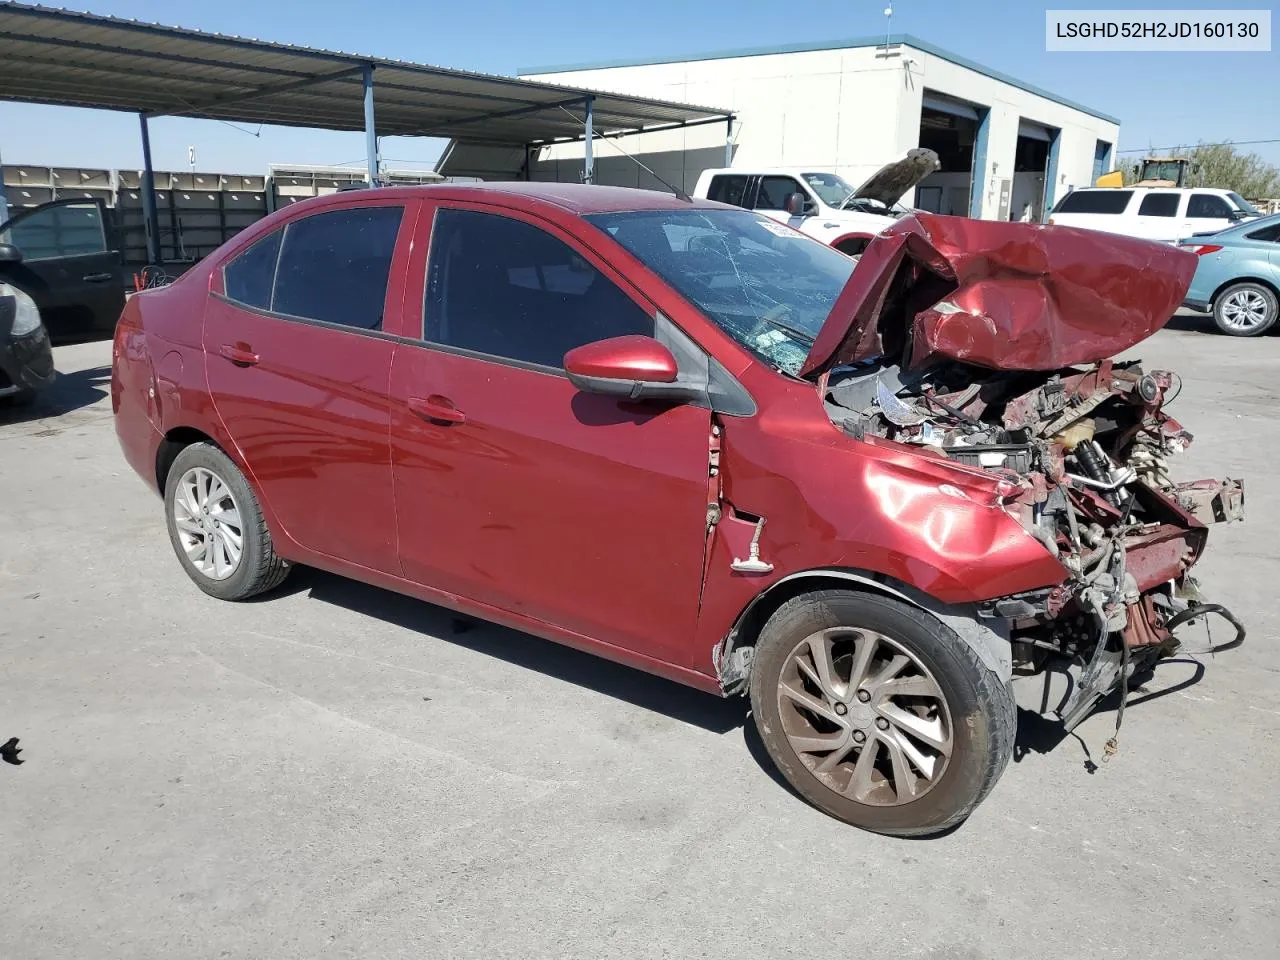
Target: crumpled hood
890,182
1006,296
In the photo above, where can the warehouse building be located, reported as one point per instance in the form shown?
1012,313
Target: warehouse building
846,107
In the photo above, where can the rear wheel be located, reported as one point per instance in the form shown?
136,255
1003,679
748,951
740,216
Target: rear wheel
877,713
1245,309
216,526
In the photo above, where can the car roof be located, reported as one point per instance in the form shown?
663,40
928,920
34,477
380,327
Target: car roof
1136,187
1240,231
580,199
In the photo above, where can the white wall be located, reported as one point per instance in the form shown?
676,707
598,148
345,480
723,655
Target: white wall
849,111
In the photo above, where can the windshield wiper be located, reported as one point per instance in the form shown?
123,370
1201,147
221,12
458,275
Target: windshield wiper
787,328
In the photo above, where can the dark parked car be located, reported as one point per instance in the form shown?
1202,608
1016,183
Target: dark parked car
63,255
688,438
26,357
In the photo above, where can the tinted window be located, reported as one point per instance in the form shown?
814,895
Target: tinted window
249,277
334,266
67,230
1159,205
1243,204
774,192
766,285
1094,201
1267,234
728,189
1208,205
505,288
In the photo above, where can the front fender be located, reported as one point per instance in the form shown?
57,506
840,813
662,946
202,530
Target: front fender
830,502
989,639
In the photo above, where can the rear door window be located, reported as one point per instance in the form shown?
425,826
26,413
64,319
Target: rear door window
729,188
1159,205
334,266
1208,206
505,288
1095,201
1269,234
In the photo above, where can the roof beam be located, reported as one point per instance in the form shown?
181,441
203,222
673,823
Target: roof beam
259,93
521,111
635,131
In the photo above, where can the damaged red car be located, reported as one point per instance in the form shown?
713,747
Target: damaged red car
687,438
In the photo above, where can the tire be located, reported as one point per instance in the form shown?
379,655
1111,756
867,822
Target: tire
1245,309
257,568
971,708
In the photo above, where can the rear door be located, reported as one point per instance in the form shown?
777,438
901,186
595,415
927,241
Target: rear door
729,188
514,489
298,359
70,266
1206,213
1159,215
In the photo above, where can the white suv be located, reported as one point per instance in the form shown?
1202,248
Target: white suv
820,203
1152,213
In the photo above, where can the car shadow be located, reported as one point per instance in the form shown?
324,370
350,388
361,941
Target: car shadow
524,650
70,391
1193,323
1041,734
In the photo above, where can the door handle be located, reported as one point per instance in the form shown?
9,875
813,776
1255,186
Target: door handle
97,277
240,354
437,408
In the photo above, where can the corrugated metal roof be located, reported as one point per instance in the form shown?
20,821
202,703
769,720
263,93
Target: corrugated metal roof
65,58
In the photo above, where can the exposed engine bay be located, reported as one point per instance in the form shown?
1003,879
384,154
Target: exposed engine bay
1082,454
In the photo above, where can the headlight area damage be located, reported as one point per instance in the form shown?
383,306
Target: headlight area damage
988,344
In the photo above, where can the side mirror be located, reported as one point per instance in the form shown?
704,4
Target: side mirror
797,204
632,367
9,253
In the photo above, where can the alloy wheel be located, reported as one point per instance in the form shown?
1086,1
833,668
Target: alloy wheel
865,715
208,521
1244,310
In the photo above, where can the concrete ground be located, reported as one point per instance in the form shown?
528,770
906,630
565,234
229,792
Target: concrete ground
332,772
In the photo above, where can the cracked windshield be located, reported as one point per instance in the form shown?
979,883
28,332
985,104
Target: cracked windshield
767,286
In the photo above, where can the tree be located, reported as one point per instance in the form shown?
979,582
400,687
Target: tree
1222,166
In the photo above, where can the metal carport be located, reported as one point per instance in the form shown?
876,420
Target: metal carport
72,59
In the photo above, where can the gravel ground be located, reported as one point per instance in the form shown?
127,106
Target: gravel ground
333,772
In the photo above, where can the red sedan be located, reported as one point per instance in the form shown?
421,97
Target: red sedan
687,438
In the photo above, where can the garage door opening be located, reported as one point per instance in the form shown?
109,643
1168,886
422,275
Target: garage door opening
1031,172
951,129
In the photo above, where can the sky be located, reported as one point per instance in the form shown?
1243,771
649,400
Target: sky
1162,99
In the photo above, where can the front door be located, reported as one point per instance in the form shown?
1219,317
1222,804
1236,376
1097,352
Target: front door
69,267
1207,213
298,365
771,199
514,489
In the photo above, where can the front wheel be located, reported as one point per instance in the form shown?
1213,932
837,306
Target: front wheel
877,713
1245,310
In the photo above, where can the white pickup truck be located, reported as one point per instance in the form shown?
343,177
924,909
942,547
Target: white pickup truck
822,204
